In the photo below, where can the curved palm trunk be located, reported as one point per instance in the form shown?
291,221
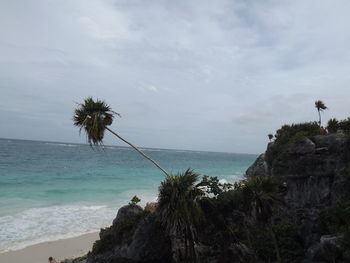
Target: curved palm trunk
139,151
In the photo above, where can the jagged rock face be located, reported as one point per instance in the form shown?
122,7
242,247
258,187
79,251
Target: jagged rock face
127,211
328,249
259,167
313,168
143,240
317,174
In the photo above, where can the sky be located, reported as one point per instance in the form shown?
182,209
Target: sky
186,74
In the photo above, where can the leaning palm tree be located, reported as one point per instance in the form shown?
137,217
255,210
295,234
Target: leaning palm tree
94,117
179,211
320,106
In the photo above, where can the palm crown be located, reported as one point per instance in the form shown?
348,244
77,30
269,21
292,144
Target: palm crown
93,117
320,106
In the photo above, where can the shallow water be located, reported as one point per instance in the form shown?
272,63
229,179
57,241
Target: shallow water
52,190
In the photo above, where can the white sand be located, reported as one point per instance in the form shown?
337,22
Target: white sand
60,249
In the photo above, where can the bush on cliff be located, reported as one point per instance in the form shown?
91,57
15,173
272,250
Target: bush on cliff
345,125
290,133
333,125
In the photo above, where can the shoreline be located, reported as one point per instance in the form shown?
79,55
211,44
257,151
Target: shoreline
58,249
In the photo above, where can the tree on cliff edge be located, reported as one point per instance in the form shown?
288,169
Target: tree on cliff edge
320,106
180,213
94,117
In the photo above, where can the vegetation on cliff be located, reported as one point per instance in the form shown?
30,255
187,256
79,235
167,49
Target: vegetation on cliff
293,206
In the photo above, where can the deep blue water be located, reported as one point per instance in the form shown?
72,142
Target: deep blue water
55,190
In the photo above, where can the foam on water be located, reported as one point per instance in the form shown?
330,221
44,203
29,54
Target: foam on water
62,144
38,225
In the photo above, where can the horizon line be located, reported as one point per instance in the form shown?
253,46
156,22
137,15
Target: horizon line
144,148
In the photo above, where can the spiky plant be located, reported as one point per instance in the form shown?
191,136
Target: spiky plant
333,125
320,106
263,194
94,117
180,212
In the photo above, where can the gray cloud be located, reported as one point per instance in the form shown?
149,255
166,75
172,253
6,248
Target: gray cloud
206,75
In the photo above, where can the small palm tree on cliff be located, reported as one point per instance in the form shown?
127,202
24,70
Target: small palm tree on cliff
270,136
320,106
180,212
94,117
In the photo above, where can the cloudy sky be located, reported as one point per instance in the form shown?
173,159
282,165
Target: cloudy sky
186,74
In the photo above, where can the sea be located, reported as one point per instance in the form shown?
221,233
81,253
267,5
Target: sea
51,190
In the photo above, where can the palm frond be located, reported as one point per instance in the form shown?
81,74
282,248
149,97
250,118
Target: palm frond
93,117
320,106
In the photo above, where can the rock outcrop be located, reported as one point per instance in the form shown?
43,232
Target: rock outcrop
316,172
135,236
315,169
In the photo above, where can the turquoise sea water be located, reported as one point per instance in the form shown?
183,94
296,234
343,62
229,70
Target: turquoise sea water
50,191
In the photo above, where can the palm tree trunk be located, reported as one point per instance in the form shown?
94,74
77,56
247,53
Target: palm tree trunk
319,118
139,151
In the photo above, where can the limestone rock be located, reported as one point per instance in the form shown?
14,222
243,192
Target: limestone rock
127,211
258,168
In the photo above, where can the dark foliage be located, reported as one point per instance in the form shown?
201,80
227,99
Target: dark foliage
290,133
344,125
333,125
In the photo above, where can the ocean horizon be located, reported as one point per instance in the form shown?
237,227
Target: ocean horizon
54,190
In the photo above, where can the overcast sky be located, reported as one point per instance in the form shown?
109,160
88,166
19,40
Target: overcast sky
202,75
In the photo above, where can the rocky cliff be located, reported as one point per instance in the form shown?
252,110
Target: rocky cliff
316,172
308,226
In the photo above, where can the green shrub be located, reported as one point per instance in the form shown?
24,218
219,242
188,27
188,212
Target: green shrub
333,125
135,200
212,185
290,133
345,125
289,242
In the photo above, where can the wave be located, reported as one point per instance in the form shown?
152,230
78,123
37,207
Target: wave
61,144
37,225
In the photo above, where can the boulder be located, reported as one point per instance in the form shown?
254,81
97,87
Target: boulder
258,168
127,211
135,236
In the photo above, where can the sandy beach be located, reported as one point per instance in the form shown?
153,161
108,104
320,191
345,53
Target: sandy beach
60,249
